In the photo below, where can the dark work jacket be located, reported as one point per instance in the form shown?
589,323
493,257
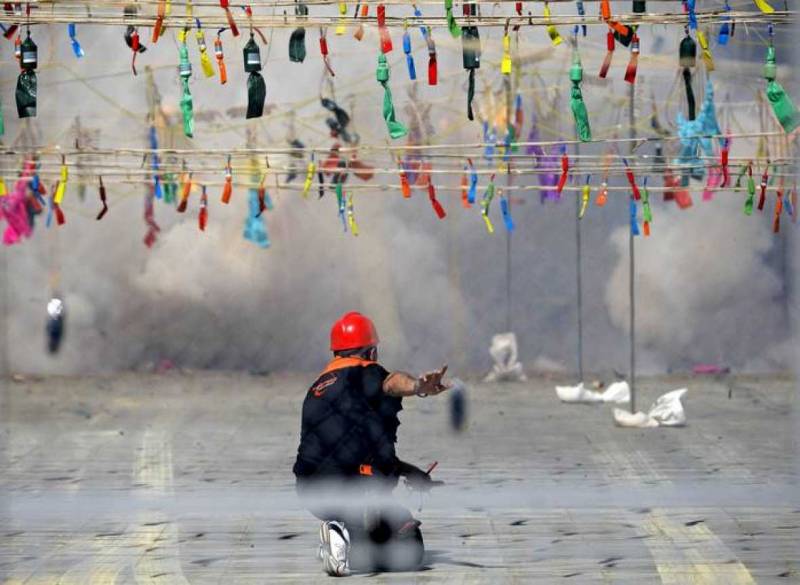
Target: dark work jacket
349,426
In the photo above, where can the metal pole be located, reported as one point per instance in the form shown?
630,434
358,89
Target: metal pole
5,311
579,279
508,274
631,270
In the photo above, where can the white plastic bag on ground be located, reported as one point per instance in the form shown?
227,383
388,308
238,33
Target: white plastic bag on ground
617,392
503,350
667,411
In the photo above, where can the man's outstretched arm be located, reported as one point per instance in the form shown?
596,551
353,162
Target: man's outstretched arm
401,384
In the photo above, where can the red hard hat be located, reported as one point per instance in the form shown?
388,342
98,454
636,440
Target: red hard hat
351,331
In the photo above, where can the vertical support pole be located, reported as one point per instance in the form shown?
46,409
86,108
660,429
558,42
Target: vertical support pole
631,263
579,275
5,311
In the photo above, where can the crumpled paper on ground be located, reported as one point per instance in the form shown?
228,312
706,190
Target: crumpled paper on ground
503,350
667,411
617,392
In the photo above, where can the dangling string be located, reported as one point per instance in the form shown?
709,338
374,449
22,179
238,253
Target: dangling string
323,49
582,128
647,213
610,45
205,60
586,191
487,200
185,72
633,64
412,70
396,129
103,201
383,30
202,217
452,25
782,105
76,45
437,207
687,58
220,55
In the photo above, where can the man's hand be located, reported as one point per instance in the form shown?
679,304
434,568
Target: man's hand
430,383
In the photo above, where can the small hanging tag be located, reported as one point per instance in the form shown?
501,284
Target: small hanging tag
763,196
412,70
433,72
751,191
631,181
205,60
485,203
708,59
634,222
227,189
633,64
186,189
437,207
202,217
577,105
505,63
610,45
187,106
383,30
464,191
312,167
103,201
351,216
552,31
764,6
724,162
341,28
62,185
562,181
224,4
647,213
505,210
452,25
76,45
220,56
323,49
725,31
584,198
776,219
473,183
341,203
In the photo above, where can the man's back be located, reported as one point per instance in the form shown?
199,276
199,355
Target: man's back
348,422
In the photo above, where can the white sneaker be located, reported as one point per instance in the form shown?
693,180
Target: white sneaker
334,549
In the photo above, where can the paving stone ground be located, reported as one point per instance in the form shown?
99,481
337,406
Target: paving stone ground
186,478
